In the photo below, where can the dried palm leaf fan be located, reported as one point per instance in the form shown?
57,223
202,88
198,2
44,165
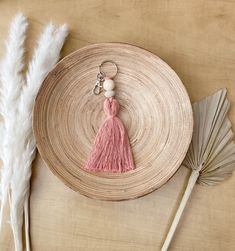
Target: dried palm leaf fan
211,155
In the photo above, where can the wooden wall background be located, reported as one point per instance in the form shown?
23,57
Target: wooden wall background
197,39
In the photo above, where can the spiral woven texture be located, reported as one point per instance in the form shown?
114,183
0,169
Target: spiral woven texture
154,107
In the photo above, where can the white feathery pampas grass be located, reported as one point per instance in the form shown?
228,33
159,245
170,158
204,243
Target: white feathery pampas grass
11,84
17,98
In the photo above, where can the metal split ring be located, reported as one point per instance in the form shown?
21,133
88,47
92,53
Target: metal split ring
105,62
101,76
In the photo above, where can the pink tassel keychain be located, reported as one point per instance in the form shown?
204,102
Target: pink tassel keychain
111,151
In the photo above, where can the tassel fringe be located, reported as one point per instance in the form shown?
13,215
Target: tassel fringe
111,151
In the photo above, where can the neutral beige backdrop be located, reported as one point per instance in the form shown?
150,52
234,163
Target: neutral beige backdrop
197,39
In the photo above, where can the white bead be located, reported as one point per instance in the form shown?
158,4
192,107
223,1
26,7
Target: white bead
108,84
109,94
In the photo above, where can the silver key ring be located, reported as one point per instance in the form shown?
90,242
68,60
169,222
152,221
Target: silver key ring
101,77
105,62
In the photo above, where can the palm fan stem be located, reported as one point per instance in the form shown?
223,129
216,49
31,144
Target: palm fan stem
191,182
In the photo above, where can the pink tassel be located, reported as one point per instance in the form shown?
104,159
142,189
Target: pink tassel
111,151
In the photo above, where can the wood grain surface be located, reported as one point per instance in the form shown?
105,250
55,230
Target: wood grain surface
155,109
197,39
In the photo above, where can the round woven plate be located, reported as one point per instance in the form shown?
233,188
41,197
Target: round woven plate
155,110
